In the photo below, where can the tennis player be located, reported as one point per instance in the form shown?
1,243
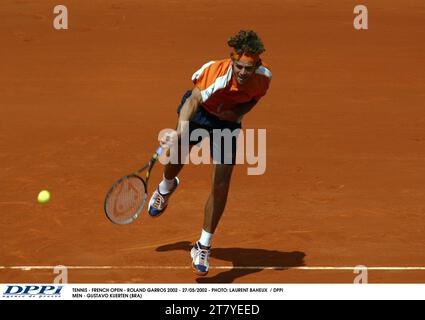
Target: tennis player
224,91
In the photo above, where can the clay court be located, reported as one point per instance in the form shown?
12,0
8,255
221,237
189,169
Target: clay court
345,120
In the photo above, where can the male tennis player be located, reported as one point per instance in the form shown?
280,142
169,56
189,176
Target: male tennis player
224,91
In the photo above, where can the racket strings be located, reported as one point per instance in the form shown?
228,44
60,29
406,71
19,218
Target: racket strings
126,199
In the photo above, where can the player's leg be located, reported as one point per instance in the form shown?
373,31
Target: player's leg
172,170
223,147
216,202
214,209
159,200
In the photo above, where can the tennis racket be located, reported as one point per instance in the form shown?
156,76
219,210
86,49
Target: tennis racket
126,198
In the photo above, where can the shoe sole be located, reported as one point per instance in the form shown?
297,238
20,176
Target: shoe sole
197,272
157,215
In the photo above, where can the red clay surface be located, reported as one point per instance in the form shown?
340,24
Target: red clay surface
345,120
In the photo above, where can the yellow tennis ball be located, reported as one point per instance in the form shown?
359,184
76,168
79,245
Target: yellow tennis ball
43,196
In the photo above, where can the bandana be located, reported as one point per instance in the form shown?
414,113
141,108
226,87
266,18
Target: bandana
246,57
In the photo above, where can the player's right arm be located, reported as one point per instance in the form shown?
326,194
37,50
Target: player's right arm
189,108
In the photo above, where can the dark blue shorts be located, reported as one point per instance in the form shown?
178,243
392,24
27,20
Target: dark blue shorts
222,146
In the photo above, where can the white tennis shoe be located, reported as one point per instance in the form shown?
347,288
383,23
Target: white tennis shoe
159,202
200,255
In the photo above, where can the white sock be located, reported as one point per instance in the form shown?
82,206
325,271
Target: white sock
205,239
166,186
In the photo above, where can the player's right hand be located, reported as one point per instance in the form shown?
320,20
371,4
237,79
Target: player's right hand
167,138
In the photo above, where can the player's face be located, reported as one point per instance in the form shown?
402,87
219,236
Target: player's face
243,71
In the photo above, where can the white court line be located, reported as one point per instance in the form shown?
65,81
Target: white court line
317,268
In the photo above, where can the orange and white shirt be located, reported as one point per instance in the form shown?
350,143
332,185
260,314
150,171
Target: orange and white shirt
220,91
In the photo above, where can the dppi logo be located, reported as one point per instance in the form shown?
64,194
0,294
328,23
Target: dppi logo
32,291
